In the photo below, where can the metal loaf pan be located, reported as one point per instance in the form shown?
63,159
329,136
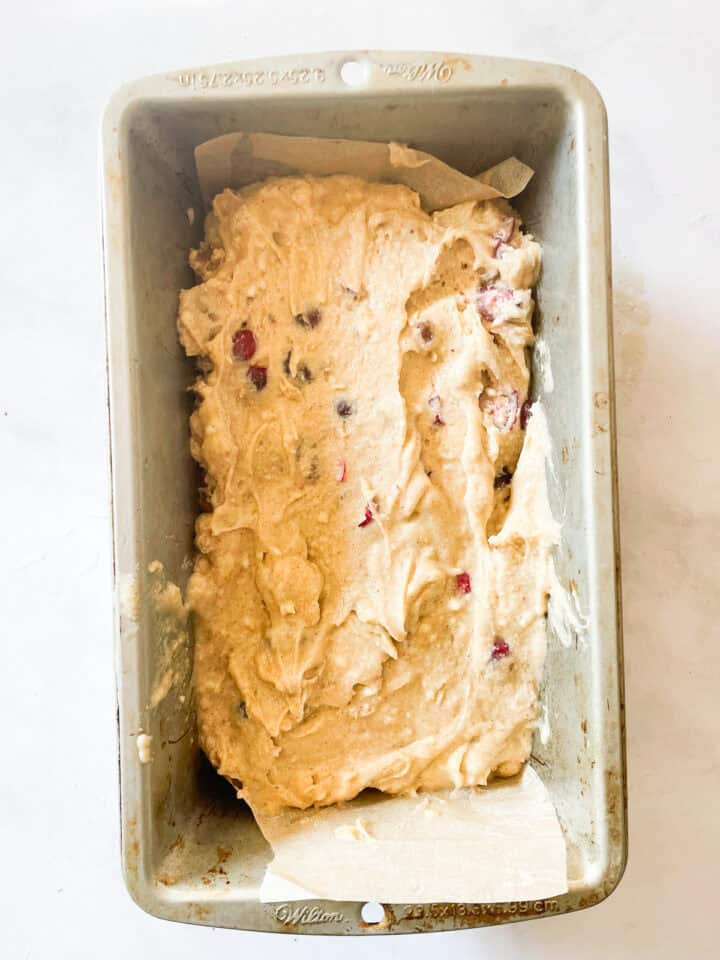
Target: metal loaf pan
191,851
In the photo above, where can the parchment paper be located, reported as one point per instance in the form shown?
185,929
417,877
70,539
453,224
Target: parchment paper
481,845
237,159
478,845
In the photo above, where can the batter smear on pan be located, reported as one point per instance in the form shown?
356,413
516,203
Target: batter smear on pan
373,564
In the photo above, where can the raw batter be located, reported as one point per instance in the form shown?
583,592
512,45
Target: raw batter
373,568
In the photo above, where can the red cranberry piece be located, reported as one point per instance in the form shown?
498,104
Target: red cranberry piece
368,517
341,474
525,413
500,649
257,377
502,407
488,299
309,319
244,344
463,583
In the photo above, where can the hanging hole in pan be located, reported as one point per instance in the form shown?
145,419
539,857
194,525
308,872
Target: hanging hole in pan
355,73
372,913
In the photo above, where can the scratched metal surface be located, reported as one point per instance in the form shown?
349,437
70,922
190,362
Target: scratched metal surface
190,851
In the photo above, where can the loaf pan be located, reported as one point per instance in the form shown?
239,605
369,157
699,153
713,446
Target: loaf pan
190,850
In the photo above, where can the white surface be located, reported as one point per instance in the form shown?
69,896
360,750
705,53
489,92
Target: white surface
656,63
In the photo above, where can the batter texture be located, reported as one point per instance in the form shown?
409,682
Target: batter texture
372,572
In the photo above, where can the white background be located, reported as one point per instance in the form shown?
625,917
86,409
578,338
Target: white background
657,65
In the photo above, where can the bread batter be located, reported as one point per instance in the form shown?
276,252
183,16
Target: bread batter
372,572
